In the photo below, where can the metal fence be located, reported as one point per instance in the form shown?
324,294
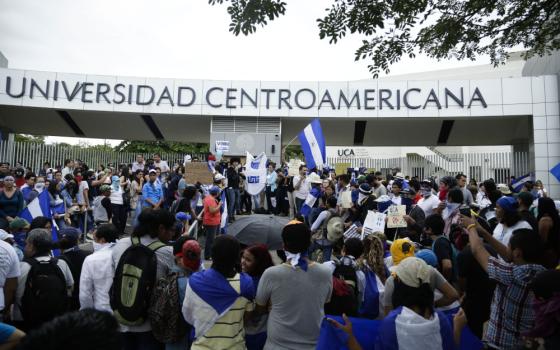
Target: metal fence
33,155
479,166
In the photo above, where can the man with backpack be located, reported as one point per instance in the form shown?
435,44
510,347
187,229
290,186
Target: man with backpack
74,257
97,270
441,246
45,283
348,280
140,262
321,239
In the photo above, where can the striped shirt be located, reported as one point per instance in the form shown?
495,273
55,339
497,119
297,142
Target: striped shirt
512,305
228,331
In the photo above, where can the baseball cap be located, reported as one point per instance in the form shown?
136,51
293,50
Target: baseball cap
18,224
191,255
5,235
104,188
182,216
365,188
214,190
503,188
526,198
219,177
428,256
509,204
152,171
69,233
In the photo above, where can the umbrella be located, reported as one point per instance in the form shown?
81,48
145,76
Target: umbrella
259,228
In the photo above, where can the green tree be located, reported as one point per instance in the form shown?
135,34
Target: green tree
29,138
461,29
161,146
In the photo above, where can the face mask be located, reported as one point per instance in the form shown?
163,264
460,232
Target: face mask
451,207
39,186
426,192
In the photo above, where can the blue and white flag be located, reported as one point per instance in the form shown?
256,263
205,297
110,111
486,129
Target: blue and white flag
255,173
312,197
209,296
40,206
224,212
518,183
372,305
313,145
405,329
556,172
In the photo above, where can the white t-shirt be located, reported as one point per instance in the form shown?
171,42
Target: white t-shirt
428,204
9,267
80,195
162,165
304,188
503,234
116,196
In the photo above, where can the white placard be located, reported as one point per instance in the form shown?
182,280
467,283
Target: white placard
346,199
374,222
222,146
395,216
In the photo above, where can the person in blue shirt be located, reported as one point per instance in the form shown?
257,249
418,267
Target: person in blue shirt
152,193
9,336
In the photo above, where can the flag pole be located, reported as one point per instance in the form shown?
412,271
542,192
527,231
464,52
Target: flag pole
285,147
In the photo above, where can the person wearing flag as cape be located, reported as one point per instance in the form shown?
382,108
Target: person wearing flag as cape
217,299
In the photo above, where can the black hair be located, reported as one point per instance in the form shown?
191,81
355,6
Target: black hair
450,181
459,176
29,175
39,222
398,183
436,223
179,242
302,166
296,237
547,207
67,161
331,202
226,254
414,183
149,221
344,178
527,201
354,247
489,186
530,244
189,192
421,297
494,195
87,329
107,231
511,218
455,195
546,284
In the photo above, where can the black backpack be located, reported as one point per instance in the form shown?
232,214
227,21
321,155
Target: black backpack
134,281
344,298
166,319
75,260
45,295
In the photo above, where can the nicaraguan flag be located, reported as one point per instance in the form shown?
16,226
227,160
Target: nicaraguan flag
210,295
40,206
518,183
313,145
556,171
224,212
405,329
373,295
312,197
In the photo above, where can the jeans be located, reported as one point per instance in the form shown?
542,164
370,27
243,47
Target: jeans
299,204
232,195
140,341
257,201
210,234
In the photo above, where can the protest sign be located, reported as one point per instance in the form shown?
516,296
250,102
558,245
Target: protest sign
395,216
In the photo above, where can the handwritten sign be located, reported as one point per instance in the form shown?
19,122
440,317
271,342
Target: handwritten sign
395,216
374,222
346,199
222,146
293,167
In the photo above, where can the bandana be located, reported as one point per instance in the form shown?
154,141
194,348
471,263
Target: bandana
297,260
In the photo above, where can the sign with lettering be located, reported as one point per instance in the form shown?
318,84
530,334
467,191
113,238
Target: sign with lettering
395,216
222,146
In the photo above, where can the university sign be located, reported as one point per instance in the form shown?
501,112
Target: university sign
221,96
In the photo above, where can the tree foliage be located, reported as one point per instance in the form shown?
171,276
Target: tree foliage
441,29
161,147
29,138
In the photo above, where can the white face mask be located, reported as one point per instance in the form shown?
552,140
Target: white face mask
39,187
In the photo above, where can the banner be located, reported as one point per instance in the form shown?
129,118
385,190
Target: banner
255,173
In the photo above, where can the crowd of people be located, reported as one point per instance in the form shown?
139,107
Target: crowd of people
476,258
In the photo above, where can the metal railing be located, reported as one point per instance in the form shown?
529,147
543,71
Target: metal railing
33,155
499,166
